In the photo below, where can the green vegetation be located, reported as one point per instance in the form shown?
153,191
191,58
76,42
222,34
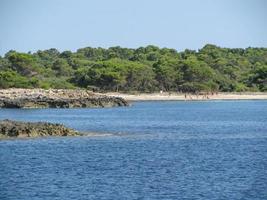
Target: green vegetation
146,69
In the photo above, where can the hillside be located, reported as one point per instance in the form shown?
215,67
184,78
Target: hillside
145,69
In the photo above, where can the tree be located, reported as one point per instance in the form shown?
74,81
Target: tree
13,79
23,63
168,74
195,70
258,77
62,67
144,69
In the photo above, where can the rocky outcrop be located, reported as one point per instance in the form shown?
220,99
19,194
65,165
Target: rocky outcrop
10,129
62,103
38,98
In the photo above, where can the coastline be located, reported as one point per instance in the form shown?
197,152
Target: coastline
56,98
190,97
77,97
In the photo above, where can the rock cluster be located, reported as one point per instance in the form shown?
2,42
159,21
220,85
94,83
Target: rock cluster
39,98
9,129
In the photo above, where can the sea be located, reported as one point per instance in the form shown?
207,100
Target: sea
152,150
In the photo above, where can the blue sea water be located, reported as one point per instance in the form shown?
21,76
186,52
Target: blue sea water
159,150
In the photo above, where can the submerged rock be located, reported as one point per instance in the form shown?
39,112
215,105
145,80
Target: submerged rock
26,98
9,129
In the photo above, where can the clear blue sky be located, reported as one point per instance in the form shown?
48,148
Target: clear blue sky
29,25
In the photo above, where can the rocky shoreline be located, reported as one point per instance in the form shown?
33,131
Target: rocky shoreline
56,98
18,129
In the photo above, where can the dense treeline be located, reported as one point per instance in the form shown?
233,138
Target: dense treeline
145,69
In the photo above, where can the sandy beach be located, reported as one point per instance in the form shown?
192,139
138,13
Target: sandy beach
190,97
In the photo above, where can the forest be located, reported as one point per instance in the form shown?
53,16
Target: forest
144,69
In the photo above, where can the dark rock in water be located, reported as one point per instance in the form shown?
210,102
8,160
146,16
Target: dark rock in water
44,102
10,128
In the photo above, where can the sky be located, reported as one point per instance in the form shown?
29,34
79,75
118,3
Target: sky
31,25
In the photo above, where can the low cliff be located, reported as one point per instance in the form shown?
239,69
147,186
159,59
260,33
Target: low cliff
39,98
